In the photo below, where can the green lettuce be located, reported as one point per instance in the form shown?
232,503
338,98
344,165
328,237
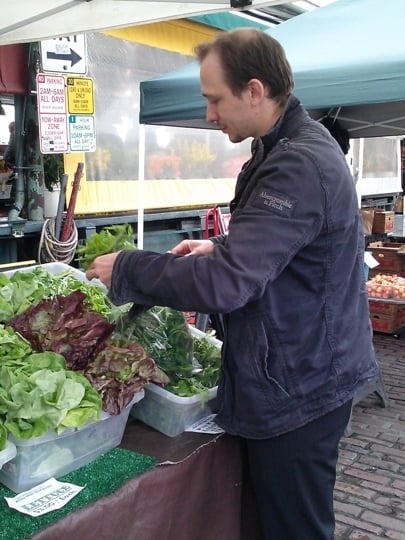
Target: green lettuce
23,289
38,394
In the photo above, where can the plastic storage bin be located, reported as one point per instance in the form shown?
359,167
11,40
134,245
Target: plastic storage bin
8,453
53,455
171,414
56,268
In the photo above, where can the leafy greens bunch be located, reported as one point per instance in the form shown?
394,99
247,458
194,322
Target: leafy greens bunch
108,240
38,393
208,355
65,325
23,289
119,371
165,335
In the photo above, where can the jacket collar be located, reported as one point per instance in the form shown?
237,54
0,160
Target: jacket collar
286,126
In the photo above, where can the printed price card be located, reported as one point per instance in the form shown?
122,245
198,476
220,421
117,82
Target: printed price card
41,499
206,425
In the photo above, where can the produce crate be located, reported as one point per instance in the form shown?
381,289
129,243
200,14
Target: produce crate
387,317
171,414
391,257
385,308
8,453
383,222
52,455
386,287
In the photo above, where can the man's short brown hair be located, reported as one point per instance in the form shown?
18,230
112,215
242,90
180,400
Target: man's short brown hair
247,54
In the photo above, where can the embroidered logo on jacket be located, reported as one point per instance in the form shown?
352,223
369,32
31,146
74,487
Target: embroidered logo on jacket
278,202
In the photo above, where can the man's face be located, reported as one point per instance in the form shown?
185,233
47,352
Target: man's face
232,114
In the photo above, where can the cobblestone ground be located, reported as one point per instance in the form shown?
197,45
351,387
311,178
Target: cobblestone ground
370,486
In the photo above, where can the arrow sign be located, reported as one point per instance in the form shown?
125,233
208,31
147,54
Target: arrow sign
66,54
73,57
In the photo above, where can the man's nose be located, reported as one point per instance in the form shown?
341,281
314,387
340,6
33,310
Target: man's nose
211,115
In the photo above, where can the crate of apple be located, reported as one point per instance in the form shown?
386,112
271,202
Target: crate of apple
387,286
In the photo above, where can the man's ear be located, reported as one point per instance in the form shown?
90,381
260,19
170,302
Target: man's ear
257,91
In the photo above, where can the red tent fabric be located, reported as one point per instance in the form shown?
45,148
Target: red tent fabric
14,69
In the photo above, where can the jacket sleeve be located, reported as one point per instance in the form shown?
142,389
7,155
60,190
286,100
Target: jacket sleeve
219,239
283,213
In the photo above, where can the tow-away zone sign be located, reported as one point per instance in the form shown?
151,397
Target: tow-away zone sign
52,116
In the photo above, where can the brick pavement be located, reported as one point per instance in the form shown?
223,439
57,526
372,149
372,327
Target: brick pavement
370,485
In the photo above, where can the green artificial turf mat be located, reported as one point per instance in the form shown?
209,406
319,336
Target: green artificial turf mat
101,477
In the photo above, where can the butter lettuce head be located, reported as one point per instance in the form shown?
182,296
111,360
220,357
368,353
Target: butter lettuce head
35,399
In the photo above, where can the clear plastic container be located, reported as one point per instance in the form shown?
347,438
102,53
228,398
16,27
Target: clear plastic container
8,453
53,455
171,414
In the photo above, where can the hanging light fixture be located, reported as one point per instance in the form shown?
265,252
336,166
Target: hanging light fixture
2,111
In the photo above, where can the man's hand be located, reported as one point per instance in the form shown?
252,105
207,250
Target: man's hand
101,268
193,247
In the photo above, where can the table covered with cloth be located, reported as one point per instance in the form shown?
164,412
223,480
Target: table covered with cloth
197,491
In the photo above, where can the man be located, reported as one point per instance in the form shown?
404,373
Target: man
288,278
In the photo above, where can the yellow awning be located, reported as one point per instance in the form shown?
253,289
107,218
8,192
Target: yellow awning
178,36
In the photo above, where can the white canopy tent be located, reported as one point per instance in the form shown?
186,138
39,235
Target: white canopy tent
36,20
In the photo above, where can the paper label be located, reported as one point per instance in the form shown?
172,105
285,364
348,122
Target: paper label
206,425
41,499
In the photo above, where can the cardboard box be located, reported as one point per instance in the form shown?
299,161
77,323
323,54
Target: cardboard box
383,222
390,323
367,215
386,308
387,316
171,414
390,256
52,455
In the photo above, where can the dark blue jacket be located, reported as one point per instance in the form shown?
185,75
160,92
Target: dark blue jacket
288,278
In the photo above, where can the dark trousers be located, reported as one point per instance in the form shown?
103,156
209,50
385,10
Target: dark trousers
293,478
